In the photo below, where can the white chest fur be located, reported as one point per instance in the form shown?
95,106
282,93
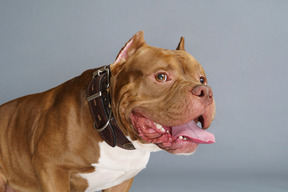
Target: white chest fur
116,165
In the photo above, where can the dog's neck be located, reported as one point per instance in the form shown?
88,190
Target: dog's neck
100,107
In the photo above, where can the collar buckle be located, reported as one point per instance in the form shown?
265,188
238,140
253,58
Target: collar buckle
98,73
102,70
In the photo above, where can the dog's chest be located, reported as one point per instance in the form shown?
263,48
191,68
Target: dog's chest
114,166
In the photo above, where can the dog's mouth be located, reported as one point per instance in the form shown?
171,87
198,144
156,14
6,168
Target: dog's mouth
175,139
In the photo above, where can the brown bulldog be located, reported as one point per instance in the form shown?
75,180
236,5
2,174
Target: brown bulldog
96,131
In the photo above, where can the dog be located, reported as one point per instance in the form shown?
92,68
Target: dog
96,131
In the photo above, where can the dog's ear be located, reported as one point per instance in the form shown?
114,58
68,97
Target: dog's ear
127,51
181,45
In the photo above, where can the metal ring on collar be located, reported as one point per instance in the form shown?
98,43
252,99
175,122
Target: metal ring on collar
106,124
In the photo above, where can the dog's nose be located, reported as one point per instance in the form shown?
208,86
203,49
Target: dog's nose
204,92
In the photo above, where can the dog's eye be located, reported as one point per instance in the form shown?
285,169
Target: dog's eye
161,77
202,80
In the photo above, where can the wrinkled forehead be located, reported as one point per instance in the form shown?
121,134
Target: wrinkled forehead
154,59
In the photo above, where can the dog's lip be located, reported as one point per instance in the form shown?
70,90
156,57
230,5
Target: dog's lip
165,136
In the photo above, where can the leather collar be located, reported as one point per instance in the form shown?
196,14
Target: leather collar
100,107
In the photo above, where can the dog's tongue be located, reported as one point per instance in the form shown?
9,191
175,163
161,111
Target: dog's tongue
193,132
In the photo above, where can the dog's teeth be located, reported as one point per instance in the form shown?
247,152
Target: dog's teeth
160,127
182,138
167,131
199,124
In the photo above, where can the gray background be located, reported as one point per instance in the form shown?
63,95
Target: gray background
242,44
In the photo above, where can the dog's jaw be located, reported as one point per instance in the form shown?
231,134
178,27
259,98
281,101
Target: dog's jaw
149,147
179,139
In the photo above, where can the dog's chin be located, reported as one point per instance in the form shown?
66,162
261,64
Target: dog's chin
179,139
179,147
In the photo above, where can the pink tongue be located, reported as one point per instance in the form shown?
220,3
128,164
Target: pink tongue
192,131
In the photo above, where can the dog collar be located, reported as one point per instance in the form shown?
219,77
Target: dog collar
100,108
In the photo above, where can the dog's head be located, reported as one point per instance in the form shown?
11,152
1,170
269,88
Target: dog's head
161,96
